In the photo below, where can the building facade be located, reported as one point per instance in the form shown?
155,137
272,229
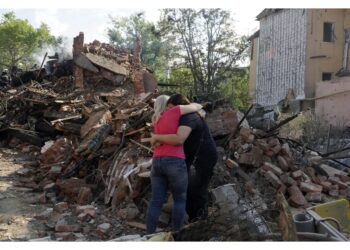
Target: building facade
295,49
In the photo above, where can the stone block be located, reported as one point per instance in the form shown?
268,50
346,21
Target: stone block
314,197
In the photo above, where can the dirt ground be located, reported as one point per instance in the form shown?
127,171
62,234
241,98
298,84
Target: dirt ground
17,220
19,207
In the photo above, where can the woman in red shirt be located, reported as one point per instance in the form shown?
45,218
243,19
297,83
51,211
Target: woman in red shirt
169,167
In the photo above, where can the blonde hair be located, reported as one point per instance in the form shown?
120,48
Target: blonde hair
159,107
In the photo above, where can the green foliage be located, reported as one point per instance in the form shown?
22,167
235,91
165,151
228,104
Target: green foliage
19,40
182,77
210,46
126,29
236,88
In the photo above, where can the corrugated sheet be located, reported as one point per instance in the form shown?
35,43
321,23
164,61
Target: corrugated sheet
281,56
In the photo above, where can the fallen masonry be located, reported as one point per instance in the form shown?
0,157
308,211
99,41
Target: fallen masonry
87,134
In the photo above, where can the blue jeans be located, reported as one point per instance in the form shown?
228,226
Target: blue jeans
167,172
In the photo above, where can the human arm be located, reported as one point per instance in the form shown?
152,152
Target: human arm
173,139
190,108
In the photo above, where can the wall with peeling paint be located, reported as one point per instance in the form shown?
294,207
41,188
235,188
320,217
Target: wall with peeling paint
281,56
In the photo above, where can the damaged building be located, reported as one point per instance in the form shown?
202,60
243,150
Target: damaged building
294,49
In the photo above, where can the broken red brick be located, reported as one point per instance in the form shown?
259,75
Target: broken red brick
84,196
270,167
310,172
81,209
297,174
231,163
273,179
66,236
83,217
42,198
343,178
287,180
337,181
310,187
252,158
297,198
326,185
60,207
285,150
67,228
283,164
282,188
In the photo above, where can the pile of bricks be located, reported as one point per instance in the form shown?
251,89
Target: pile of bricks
302,183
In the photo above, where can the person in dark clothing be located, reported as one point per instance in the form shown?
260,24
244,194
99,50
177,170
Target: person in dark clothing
200,152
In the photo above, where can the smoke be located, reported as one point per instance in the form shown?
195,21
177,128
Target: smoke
63,49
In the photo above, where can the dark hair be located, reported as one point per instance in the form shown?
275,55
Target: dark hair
178,99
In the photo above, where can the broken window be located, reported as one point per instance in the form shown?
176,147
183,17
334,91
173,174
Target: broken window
326,76
328,32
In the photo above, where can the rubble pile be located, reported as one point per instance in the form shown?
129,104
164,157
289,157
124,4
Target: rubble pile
304,179
88,142
88,138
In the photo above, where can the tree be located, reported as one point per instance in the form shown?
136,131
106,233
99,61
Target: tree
210,45
126,29
235,88
19,40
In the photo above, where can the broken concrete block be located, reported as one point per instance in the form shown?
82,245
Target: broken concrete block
45,215
270,167
314,197
103,229
314,160
310,187
330,170
297,198
334,193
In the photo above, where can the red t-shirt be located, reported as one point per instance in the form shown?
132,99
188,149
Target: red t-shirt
168,123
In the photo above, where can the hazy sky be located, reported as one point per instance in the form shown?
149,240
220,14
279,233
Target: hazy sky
94,22
69,17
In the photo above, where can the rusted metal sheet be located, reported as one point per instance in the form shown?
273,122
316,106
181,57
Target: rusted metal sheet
281,56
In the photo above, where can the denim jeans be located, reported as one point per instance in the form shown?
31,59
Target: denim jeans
167,172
